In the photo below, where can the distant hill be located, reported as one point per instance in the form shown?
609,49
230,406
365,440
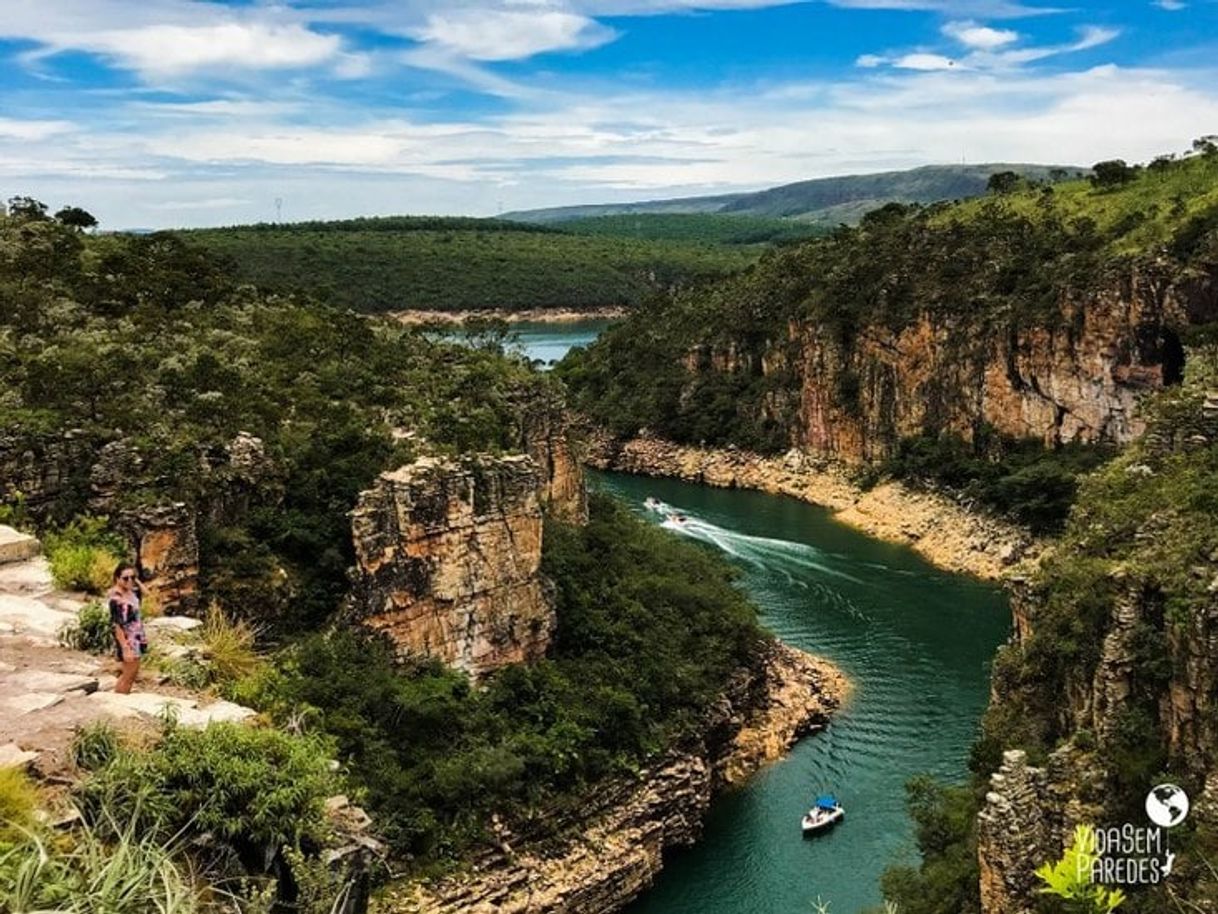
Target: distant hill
823,201
451,264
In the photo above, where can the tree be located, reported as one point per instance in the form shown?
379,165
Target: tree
75,217
1057,175
26,208
1112,173
1206,145
1004,182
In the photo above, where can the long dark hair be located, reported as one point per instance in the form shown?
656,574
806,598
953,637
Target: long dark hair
120,568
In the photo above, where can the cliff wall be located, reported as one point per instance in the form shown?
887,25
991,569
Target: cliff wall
613,849
1111,675
448,561
1078,376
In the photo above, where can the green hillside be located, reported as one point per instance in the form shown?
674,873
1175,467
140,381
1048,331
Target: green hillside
455,264
707,228
824,201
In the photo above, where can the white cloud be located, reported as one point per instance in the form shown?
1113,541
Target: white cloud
13,129
1172,6
979,37
485,34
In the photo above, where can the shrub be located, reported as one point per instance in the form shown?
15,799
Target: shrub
18,800
83,555
95,745
229,646
91,632
93,872
254,790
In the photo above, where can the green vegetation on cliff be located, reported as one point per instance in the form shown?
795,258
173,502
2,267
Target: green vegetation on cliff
649,629
708,228
399,263
723,363
142,348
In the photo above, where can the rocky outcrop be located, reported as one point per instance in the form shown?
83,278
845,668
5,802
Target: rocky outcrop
448,557
944,531
614,848
167,554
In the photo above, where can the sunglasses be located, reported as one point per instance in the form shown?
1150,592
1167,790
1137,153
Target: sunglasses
126,577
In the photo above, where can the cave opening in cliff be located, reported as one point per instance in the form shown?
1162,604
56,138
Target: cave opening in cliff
1173,358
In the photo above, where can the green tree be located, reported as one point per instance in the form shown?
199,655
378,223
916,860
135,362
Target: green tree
75,217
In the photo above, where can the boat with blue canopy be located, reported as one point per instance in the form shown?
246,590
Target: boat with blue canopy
824,814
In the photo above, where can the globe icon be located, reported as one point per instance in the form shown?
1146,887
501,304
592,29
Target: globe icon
1167,805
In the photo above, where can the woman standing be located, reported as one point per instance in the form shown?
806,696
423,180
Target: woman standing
130,642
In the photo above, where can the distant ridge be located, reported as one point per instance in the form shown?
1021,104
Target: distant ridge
821,200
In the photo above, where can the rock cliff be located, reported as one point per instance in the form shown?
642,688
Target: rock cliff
1112,671
448,557
614,848
1077,377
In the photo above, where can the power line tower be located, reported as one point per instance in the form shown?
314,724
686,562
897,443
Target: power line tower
279,209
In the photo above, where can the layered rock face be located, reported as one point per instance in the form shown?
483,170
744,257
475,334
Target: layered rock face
1152,684
1079,379
448,559
614,848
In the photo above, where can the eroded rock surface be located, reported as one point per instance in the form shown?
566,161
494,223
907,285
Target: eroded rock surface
448,559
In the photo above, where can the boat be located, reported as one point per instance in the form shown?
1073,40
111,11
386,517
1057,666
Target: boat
651,503
823,815
678,519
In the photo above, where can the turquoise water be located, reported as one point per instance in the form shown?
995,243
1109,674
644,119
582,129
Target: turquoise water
550,342
917,644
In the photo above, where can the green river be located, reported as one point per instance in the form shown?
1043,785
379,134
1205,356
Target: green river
917,644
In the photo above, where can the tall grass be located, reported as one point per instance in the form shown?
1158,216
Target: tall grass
229,646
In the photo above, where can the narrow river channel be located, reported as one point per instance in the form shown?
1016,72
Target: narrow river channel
917,644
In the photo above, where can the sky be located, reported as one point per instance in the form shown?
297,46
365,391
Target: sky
164,113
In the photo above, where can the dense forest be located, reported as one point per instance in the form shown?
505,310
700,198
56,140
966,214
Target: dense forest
139,355
441,264
988,267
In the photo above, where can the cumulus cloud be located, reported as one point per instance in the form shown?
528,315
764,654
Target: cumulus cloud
980,37
486,34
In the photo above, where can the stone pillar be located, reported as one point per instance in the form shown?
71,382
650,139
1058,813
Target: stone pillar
1013,836
448,557
167,553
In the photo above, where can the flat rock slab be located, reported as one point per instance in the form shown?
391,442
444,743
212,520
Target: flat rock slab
189,714
172,623
13,756
29,702
31,577
28,616
46,681
16,546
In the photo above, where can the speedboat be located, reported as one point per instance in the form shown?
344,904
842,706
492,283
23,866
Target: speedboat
824,814
651,503
678,519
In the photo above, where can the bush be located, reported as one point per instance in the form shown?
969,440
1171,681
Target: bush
83,555
95,745
254,790
120,871
91,632
229,646
18,800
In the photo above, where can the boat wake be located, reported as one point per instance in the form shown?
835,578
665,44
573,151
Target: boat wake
790,559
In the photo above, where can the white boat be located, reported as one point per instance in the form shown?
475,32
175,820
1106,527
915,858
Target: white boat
824,814
653,504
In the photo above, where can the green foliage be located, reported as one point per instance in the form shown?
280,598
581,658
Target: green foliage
1070,877
946,883
1019,479
146,342
229,646
446,265
96,745
705,228
84,554
116,870
649,630
253,790
18,801
92,631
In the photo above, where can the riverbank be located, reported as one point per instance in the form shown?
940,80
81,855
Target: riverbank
941,530
530,316
615,846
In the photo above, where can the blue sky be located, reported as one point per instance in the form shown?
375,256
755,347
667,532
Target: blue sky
190,112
